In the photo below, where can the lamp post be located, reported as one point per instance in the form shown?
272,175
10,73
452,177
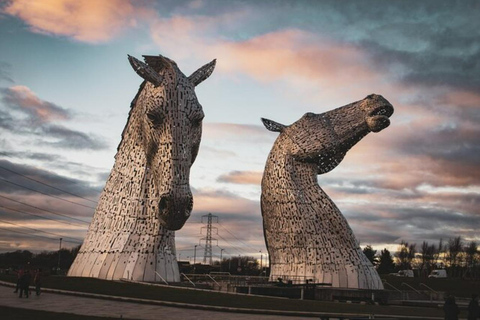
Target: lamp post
194,257
221,260
261,262
59,249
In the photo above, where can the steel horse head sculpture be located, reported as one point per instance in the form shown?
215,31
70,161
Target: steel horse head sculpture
307,236
147,196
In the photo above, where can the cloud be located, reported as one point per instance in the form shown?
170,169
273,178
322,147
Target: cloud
242,177
28,115
236,131
239,228
290,54
71,139
81,20
22,205
5,72
9,169
23,99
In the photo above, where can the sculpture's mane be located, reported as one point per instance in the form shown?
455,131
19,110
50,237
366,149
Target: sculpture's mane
132,106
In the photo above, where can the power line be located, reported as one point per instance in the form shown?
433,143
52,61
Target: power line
45,194
42,217
255,249
37,230
55,213
236,248
45,184
36,235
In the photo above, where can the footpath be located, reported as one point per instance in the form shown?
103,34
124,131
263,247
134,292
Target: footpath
88,304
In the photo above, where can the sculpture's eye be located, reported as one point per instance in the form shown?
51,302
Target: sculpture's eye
155,118
309,115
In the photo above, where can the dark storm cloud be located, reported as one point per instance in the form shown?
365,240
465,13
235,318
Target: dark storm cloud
71,185
430,67
435,42
427,43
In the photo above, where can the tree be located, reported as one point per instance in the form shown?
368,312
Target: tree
471,257
385,264
241,265
438,255
455,246
371,254
427,256
405,255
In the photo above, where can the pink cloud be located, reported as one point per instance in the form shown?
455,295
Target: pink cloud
242,177
290,54
82,20
24,99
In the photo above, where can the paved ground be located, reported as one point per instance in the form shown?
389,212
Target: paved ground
126,310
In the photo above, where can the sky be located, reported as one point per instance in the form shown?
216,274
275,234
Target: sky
66,88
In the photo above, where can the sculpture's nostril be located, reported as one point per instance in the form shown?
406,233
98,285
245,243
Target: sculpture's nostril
163,203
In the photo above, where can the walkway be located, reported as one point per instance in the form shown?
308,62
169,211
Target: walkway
127,310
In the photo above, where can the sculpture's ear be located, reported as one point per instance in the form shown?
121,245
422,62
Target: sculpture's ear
203,73
272,125
145,71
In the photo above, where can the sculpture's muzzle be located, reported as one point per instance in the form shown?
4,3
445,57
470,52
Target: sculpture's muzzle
174,209
378,118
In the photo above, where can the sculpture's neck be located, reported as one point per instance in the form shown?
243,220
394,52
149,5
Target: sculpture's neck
284,172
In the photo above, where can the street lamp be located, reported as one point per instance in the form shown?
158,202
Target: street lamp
59,249
221,260
194,257
261,261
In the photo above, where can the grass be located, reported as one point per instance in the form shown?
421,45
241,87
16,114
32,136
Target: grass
92,285
9,313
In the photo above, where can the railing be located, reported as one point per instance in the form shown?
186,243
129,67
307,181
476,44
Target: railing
431,290
158,274
423,284
392,286
213,279
183,274
406,284
224,279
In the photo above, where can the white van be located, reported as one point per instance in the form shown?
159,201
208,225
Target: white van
438,274
404,273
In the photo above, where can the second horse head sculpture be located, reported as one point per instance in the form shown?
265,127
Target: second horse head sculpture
306,235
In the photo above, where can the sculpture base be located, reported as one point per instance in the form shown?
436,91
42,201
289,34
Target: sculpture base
132,266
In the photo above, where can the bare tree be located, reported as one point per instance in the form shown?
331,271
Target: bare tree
427,257
405,255
455,248
438,255
471,258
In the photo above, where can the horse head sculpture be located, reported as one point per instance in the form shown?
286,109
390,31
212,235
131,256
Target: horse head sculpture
170,121
325,138
306,235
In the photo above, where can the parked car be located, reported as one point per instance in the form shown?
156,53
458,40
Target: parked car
403,273
438,274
